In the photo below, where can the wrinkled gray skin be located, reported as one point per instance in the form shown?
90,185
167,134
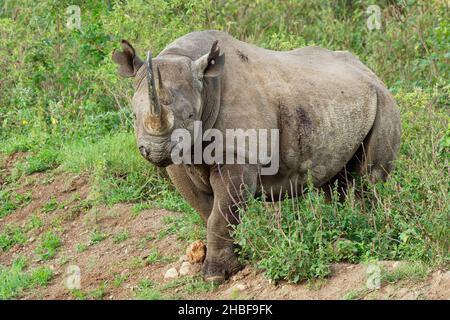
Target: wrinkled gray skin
335,117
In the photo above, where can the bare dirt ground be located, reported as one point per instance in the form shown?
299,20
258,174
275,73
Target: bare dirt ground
119,266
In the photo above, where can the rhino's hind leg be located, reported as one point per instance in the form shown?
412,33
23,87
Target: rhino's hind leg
374,158
376,154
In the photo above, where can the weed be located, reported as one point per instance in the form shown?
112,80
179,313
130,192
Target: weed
11,235
120,236
50,242
15,280
80,247
139,207
42,161
411,271
97,237
156,257
119,280
50,206
146,291
10,201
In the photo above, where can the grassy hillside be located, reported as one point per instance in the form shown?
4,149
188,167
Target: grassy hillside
62,103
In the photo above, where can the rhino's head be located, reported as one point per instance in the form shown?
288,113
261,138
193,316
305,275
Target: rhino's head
169,94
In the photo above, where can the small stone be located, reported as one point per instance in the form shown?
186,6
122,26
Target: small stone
124,272
31,239
183,258
185,268
196,252
446,276
172,273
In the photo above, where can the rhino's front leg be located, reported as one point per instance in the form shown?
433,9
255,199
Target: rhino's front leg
231,184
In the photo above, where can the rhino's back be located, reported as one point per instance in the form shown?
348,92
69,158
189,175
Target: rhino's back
324,102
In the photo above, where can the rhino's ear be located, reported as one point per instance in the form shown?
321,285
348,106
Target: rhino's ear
211,64
129,63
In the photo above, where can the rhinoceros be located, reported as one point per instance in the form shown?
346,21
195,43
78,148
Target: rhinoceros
334,117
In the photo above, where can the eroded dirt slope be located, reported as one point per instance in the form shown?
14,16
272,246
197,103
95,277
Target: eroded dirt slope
124,253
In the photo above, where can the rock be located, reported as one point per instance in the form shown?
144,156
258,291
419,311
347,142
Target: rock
446,276
183,258
172,273
196,252
185,268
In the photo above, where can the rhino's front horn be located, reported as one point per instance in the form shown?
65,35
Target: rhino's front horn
158,121
155,107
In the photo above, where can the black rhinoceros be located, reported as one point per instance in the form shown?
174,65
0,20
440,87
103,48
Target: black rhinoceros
333,116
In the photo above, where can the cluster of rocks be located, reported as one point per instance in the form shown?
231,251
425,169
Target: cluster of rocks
189,263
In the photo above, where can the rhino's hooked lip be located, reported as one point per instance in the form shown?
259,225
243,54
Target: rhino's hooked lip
158,154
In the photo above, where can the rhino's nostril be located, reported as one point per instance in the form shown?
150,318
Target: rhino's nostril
143,151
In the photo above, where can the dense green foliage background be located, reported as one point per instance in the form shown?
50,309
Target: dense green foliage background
62,103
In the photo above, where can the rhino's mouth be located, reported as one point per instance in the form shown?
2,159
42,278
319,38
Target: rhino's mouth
158,154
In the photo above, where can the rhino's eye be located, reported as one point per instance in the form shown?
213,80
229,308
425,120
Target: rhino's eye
191,115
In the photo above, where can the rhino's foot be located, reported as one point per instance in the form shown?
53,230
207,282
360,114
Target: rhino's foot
221,268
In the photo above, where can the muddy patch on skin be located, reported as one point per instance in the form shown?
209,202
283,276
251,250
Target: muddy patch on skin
242,56
296,129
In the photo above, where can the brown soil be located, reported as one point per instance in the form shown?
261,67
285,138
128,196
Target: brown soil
101,263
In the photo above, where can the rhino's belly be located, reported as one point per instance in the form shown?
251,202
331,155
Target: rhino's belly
321,135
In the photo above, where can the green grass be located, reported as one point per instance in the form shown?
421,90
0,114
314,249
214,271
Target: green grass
139,207
11,235
120,174
96,294
97,237
50,206
121,236
410,271
15,280
355,294
185,288
187,226
48,246
80,247
156,257
119,280
35,222
10,201
147,291
39,162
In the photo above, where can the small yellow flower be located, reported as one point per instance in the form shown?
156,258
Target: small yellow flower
24,122
54,121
